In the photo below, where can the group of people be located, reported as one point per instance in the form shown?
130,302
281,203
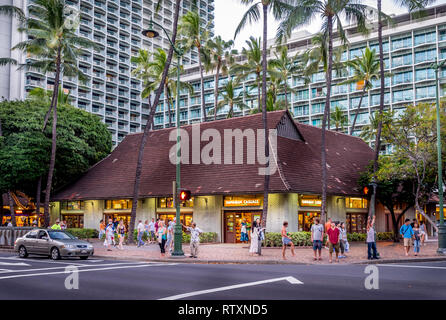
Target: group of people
415,232
159,231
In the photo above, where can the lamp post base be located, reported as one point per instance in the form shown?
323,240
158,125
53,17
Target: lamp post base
178,241
441,240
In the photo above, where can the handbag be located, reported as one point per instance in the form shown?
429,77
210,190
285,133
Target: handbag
346,246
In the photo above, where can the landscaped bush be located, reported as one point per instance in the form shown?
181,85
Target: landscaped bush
300,239
205,237
145,237
83,233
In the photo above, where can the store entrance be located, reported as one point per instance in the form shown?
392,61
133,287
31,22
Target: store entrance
233,224
356,222
306,219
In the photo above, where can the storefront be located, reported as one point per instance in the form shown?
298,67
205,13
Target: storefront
23,218
72,212
165,210
238,209
118,209
356,215
24,210
309,209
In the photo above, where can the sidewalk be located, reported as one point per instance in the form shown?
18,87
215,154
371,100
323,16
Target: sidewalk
238,253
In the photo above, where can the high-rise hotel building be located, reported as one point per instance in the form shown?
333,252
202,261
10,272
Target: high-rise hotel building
115,25
410,47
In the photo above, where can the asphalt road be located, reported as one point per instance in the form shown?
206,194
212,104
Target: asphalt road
40,278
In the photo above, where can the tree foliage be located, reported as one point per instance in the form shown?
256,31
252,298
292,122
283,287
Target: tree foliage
83,141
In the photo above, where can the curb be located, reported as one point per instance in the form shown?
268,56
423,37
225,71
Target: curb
387,261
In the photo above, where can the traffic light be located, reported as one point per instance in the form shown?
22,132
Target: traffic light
184,195
368,189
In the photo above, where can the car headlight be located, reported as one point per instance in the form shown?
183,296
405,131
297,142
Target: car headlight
69,246
89,246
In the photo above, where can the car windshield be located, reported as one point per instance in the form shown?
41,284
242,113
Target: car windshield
60,235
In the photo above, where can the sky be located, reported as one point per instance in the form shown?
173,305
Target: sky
228,14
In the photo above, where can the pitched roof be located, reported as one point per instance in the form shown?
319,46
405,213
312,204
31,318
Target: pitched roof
298,159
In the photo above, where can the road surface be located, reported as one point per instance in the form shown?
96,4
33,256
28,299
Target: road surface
41,278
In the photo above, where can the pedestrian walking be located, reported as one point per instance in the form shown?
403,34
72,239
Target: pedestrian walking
56,225
254,248
162,238
317,236
371,239
407,232
120,229
109,235
63,225
152,231
140,231
344,239
101,229
416,239
261,236
327,227
169,236
244,232
286,240
333,241
194,239
423,233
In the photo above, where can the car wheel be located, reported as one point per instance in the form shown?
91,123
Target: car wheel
23,253
55,254
84,258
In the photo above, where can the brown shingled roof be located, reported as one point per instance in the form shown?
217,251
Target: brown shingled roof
298,163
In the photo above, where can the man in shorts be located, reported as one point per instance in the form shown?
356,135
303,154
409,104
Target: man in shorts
333,241
407,232
152,231
317,236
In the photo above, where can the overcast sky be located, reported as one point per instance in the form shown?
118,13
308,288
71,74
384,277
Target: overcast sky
228,14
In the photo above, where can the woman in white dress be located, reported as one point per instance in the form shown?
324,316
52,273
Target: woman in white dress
254,239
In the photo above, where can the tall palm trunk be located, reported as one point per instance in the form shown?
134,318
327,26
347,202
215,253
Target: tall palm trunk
200,65
11,209
326,119
286,95
265,115
149,123
259,101
168,101
231,108
53,141
357,109
38,195
381,108
216,88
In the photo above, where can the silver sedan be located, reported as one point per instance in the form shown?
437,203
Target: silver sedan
52,243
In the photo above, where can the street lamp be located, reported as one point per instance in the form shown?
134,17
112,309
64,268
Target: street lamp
442,227
178,234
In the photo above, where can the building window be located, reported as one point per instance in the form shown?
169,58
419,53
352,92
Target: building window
168,203
356,203
185,218
73,205
118,204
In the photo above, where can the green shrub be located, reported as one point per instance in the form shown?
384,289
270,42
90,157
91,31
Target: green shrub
384,236
355,237
300,239
83,233
145,237
205,237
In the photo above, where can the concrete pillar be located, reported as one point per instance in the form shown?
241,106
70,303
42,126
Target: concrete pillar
336,208
207,214
93,213
282,207
146,209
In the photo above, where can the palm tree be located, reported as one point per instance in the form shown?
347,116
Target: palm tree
149,122
193,35
231,98
278,9
365,70
339,118
252,65
284,67
151,71
53,46
222,56
333,12
412,5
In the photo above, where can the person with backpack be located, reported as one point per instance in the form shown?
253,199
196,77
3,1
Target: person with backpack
407,232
